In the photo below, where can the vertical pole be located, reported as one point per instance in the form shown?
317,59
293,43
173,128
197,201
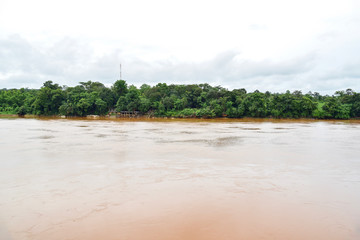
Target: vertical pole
120,71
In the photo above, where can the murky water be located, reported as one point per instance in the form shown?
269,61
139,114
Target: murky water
172,180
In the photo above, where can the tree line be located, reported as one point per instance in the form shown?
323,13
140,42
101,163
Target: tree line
163,100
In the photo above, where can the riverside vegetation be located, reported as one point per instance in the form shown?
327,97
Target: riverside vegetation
162,100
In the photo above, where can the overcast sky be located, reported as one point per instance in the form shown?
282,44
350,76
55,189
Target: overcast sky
274,45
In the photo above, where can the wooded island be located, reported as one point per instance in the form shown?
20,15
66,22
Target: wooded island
162,100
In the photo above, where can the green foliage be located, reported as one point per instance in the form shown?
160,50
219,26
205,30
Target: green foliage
255,105
11,100
291,105
119,88
48,99
145,105
121,104
206,112
187,112
333,108
131,101
195,100
319,112
21,111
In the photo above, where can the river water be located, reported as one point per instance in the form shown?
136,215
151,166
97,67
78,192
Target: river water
174,180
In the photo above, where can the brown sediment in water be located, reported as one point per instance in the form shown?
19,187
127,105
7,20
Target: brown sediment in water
145,118
169,180
169,212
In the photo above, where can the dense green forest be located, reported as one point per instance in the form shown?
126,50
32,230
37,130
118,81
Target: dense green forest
162,100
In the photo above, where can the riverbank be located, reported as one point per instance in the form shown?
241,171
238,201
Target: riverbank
183,101
168,119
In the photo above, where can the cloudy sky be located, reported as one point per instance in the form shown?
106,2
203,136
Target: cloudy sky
274,45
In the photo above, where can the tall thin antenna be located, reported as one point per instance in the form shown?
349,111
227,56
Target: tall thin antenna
120,71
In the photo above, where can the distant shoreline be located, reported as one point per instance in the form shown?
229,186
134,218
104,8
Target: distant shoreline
176,101
187,119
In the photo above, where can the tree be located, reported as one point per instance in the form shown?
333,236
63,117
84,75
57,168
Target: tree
255,105
192,100
334,109
132,98
307,107
101,107
119,88
48,99
145,105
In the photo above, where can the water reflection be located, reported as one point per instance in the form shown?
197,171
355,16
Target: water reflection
78,179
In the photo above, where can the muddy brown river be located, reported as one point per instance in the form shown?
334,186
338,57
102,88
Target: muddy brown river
179,179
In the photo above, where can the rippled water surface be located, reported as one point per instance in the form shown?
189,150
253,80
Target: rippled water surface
174,180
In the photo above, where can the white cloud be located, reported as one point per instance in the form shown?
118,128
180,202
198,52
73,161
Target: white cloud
67,61
258,44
